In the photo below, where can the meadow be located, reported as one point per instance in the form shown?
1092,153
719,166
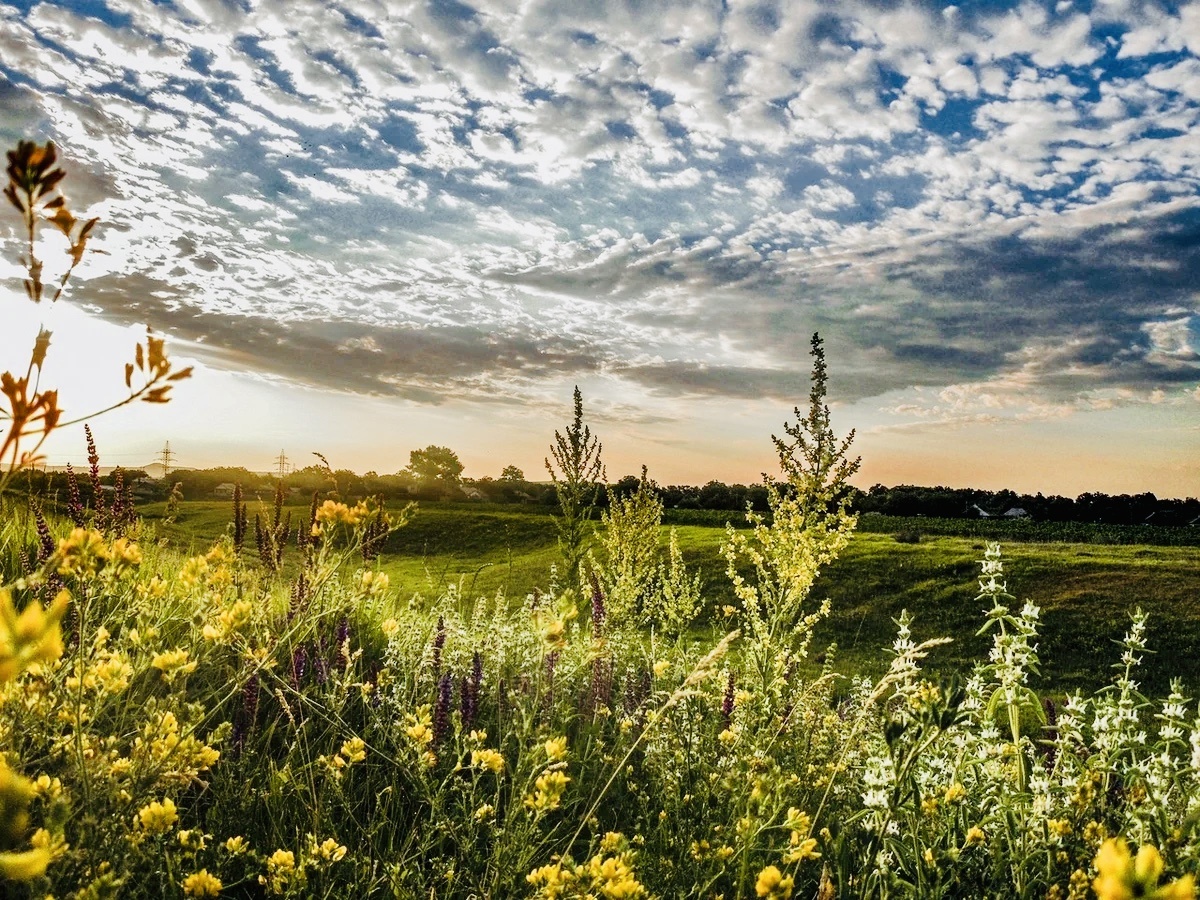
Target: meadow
1085,590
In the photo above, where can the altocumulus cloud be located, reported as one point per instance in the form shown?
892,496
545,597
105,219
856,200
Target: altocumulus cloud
479,199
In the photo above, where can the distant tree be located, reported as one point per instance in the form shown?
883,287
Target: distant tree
435,467
577,473
512,474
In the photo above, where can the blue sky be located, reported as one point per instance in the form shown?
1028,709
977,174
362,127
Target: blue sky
382,225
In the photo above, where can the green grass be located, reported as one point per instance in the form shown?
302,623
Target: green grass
1085,591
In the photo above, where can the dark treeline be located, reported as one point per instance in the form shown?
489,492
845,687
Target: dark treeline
901,500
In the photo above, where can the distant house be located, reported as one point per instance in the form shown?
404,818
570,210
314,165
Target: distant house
224,491
473,493
978,512
1016,513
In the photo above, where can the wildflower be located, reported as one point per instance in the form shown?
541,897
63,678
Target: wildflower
157,817
281,872
1123,877
374,584
954,793
488,759
419,727
548,791
975,835
389,627
773,884
329,851
202,884
173,663
31,637
661,667
556,749
485,812
82,553
354,750
236,845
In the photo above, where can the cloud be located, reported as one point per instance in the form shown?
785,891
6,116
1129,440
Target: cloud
462,200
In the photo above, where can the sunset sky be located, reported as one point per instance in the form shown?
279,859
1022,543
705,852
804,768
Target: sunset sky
375,226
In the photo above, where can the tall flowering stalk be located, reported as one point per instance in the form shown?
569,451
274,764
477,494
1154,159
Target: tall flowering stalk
809,524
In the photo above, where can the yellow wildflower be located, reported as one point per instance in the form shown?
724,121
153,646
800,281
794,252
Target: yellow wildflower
1123,877
556,749
236,845
173,663
773,884
157,817
389,627
548,791
202,884
488,759
83,552
329,851
954,793
975,835
31,637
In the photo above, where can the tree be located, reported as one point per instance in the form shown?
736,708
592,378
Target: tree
435,467
576,473
512,474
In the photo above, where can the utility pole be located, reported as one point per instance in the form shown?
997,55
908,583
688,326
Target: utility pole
282,464
167,456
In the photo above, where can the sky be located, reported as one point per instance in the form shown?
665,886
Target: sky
376,225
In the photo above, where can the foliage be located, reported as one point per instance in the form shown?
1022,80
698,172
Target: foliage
577,472
435,467
512,473
32,413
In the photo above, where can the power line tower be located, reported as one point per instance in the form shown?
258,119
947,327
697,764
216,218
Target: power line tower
282,464
166,456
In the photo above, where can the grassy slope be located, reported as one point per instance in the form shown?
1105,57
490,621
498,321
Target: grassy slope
1085,590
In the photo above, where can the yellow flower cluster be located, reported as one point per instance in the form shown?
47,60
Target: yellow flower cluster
352,751
202,884
228,620
800,845
548,791
488,759
606,875
33,636
773,884
419,727
157,817
1124,877
282,873
373,584
177,758
328,851
173,663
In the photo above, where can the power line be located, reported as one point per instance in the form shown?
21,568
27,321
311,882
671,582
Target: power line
166,456
282,464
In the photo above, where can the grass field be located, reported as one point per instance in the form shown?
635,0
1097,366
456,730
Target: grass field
1085,590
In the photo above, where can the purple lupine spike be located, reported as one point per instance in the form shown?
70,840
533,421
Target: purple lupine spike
46,543
471,685
727,703
299,596
94,476
299,666
118,513
243,721
320,667
441,709
600,689
439,643
342,650
74,503
598,611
